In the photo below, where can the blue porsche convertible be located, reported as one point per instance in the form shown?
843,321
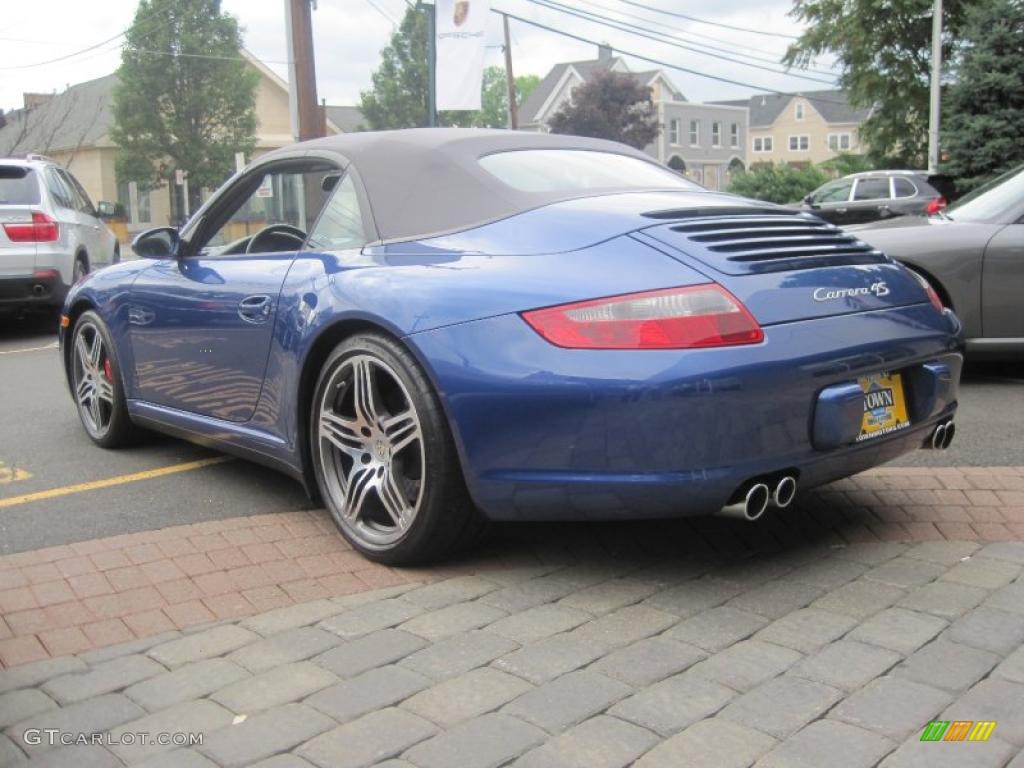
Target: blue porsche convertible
432,328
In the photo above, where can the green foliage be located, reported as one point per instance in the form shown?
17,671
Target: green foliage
610,105
173,108
846,163
883,51
985,107
777,183
401,86
494,101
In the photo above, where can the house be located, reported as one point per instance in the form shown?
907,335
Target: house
707,142
73,127
801,128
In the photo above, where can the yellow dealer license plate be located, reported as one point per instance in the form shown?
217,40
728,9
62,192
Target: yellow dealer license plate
885,406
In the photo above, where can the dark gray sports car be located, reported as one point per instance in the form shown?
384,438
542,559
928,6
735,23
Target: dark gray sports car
973,255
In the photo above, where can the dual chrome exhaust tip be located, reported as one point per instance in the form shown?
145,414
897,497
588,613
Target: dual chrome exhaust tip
759,496
942,437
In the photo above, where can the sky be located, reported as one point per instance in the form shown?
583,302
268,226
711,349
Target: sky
349,34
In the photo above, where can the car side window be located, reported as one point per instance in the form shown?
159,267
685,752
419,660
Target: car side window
284,198
59,190
836,192
341,224
903,188
82,201
871,189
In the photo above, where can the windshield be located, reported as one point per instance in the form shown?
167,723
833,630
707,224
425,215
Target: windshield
578,170
18,186
989,201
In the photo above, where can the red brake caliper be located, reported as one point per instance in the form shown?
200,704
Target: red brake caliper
106,370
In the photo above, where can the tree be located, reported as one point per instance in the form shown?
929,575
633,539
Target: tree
883,51
186,98
846,163
777,183
985,106
494,101
611,105
401,86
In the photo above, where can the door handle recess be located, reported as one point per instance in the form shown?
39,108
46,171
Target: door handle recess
255,309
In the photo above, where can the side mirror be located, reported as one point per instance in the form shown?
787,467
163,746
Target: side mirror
809,200
159,243
106,210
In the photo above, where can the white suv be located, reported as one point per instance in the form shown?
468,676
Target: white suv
50,233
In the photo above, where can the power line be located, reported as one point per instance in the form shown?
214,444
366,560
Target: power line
382,12
679,15
612,24
701,37
661,63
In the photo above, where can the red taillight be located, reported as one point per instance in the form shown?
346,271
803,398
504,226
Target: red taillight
41,229
936,205
933,295
674,318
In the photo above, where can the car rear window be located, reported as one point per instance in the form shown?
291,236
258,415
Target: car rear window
871,189
904,188
579,170
18,186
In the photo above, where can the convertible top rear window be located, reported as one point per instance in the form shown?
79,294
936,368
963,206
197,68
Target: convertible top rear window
578,170
18,186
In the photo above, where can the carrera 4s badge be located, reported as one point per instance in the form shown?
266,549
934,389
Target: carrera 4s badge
878,289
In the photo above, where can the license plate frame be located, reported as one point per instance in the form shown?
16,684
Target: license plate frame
885,405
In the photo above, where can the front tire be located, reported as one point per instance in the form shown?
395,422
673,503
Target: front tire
384,460
97,384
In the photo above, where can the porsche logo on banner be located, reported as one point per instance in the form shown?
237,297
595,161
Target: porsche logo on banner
460,52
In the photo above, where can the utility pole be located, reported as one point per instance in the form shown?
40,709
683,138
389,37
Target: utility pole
510,81
301,70
934,114
431,11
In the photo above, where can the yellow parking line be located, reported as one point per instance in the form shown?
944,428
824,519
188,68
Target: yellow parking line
93,485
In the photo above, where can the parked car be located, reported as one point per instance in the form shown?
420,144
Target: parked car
50,233
972,254
865,197
433,327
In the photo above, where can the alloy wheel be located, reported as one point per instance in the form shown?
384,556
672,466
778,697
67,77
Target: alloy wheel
93,380
371,451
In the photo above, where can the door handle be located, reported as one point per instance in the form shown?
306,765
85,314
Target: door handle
255,309
840,210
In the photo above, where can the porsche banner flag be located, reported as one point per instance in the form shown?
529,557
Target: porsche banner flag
459,71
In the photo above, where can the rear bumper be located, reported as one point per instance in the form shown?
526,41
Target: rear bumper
32,291
549,433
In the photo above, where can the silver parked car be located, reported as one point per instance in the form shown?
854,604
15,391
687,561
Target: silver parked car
972,254
50,233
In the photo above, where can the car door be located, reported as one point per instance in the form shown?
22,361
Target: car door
1002,284
872,196
201,324
831,202
63,197
93,233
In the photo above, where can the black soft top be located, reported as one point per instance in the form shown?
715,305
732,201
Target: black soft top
423,181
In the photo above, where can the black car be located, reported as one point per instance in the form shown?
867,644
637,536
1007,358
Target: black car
865,197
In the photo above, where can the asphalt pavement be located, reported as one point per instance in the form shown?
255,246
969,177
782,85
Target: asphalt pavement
43,447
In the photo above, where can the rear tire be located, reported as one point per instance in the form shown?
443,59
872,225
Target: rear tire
384,460
81,269
97,385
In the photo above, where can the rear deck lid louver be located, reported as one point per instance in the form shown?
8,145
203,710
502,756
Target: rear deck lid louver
756,242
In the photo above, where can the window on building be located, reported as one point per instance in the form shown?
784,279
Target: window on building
799,143
839,142
716,134
734,136
695,133
799,110
763,144
673,131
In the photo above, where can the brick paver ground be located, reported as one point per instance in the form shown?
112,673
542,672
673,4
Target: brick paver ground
71,598
824,654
